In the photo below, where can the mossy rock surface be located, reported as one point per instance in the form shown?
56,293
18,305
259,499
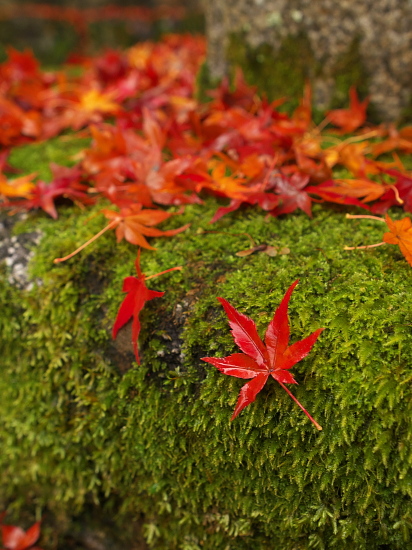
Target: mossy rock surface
84,426
283,73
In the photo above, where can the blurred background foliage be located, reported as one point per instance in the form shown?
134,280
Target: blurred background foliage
60,28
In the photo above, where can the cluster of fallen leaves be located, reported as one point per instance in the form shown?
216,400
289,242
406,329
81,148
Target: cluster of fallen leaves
154,145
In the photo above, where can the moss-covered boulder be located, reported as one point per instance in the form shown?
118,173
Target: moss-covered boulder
150,448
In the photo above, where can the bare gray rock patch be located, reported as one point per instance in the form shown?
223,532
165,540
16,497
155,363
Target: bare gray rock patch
16,251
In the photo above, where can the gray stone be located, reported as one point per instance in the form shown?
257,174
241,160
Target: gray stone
16,251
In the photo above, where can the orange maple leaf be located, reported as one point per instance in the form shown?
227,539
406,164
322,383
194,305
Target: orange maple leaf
400,233
93,100
224,184
17,187
357,188
132,224
350,119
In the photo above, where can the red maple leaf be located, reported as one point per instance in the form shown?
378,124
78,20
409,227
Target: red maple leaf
14,538
137,295
66,183
292,194
259,360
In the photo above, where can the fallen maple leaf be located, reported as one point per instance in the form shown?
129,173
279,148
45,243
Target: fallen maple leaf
18,187
132,224
259,360
291,193
14,538
267,249
400,233
94,100
350,119
137,295
66,183
362,188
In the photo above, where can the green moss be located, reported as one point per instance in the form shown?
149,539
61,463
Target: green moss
36,157
283,73
349,71
158,438
83,427
51,41
278,75
204,83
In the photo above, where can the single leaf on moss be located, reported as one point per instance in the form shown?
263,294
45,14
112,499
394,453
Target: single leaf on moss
400,233
134,224
137,295
259,360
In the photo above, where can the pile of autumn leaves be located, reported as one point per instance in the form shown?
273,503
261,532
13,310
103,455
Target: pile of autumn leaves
154,145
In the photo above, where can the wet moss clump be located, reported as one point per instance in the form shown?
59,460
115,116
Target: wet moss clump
83,426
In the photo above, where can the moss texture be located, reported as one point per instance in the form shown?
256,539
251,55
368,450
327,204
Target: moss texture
82,426
278,74
284,73
349,71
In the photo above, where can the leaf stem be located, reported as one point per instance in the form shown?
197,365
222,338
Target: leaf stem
320,127
397,197
317,426
365,246
366,216
110,226
361,137
178,268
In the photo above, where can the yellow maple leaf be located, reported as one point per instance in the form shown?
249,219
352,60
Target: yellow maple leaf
18,187
93,100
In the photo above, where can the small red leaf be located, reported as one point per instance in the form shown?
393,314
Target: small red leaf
12,535
30,537
137,295
350,119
